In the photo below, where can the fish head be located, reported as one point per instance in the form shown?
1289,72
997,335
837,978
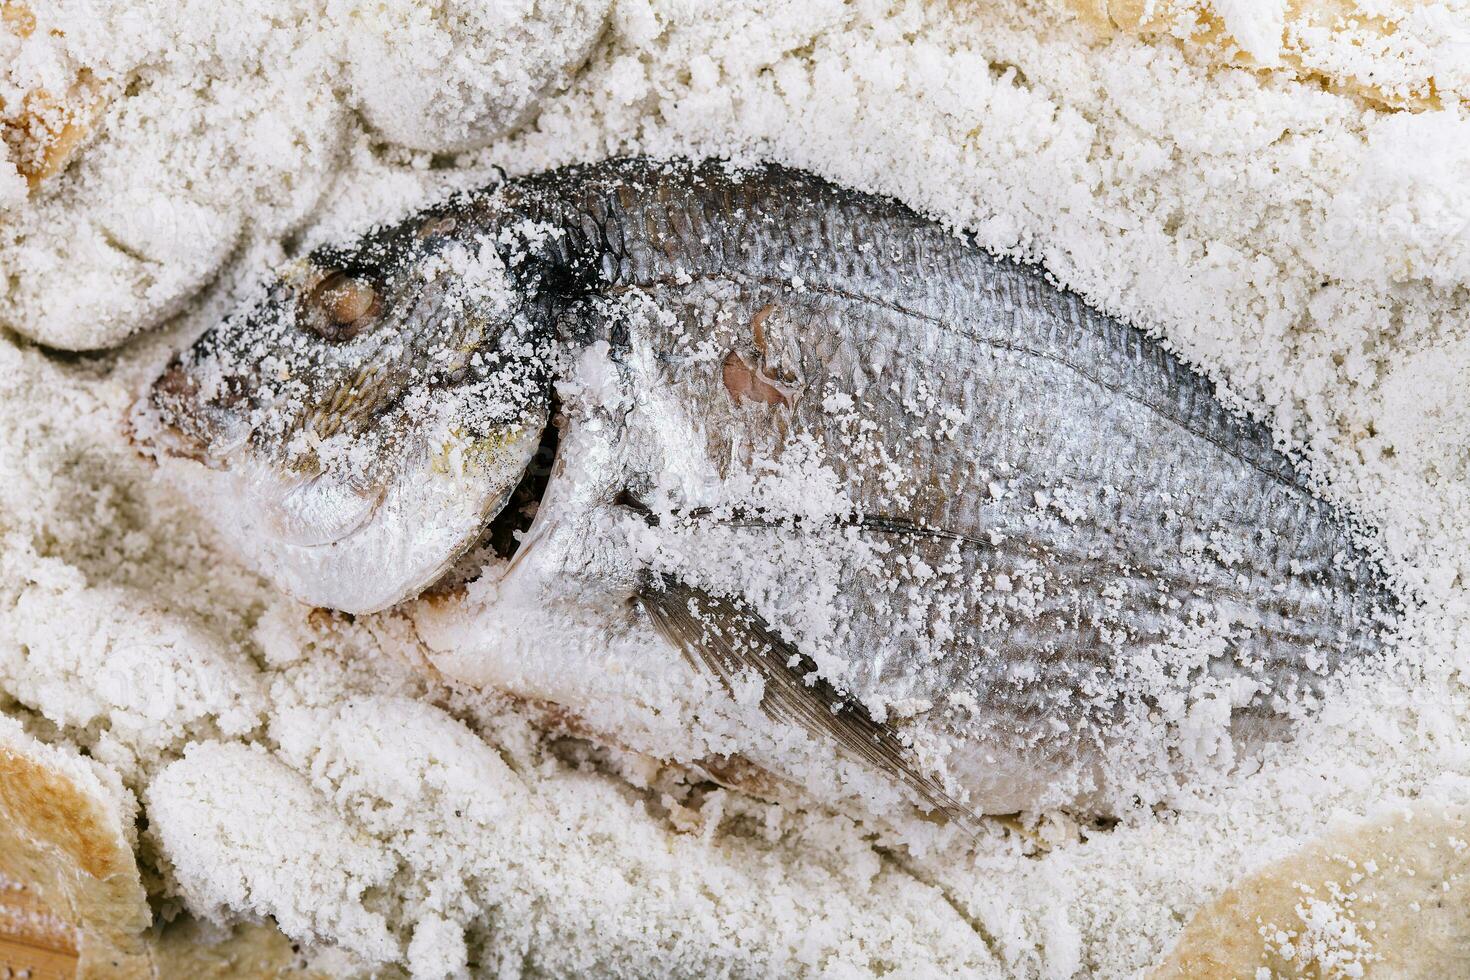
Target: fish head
353,427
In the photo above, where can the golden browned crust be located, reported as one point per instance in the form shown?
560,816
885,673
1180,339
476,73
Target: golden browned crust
67,864
1333,42
46,129
1391,896
34,941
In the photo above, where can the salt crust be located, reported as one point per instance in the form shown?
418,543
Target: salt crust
1399,53
66,859
1299,243
420,85
234,118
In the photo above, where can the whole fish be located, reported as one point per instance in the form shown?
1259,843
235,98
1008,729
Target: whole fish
905,505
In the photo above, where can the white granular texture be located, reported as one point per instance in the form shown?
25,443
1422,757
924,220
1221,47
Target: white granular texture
1305,248
1326,937
419,84
219,810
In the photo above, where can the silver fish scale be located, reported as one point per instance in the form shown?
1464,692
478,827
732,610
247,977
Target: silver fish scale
1056,399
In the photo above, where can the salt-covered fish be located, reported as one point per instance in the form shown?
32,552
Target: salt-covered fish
903,501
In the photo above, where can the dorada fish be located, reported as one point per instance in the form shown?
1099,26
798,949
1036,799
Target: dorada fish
911,521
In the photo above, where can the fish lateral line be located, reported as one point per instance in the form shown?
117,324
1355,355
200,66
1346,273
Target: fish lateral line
739,516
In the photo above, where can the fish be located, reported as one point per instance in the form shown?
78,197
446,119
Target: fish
893,501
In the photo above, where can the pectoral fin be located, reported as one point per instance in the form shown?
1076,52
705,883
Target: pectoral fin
727,638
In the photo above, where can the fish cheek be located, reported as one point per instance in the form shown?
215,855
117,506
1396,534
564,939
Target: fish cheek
320,511
514,471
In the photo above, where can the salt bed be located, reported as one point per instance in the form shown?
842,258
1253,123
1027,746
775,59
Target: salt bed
1300,235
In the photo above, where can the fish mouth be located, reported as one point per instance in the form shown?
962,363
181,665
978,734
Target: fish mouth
156,439
178,419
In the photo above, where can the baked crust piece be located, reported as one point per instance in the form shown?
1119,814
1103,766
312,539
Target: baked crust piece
46,129
72,901
1388,897
1387,53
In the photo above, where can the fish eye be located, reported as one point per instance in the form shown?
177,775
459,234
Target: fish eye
342,306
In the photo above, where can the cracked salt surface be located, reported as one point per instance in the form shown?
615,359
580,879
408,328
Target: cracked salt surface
1302,247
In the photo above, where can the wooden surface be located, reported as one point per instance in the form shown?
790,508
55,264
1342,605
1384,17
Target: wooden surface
34,942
